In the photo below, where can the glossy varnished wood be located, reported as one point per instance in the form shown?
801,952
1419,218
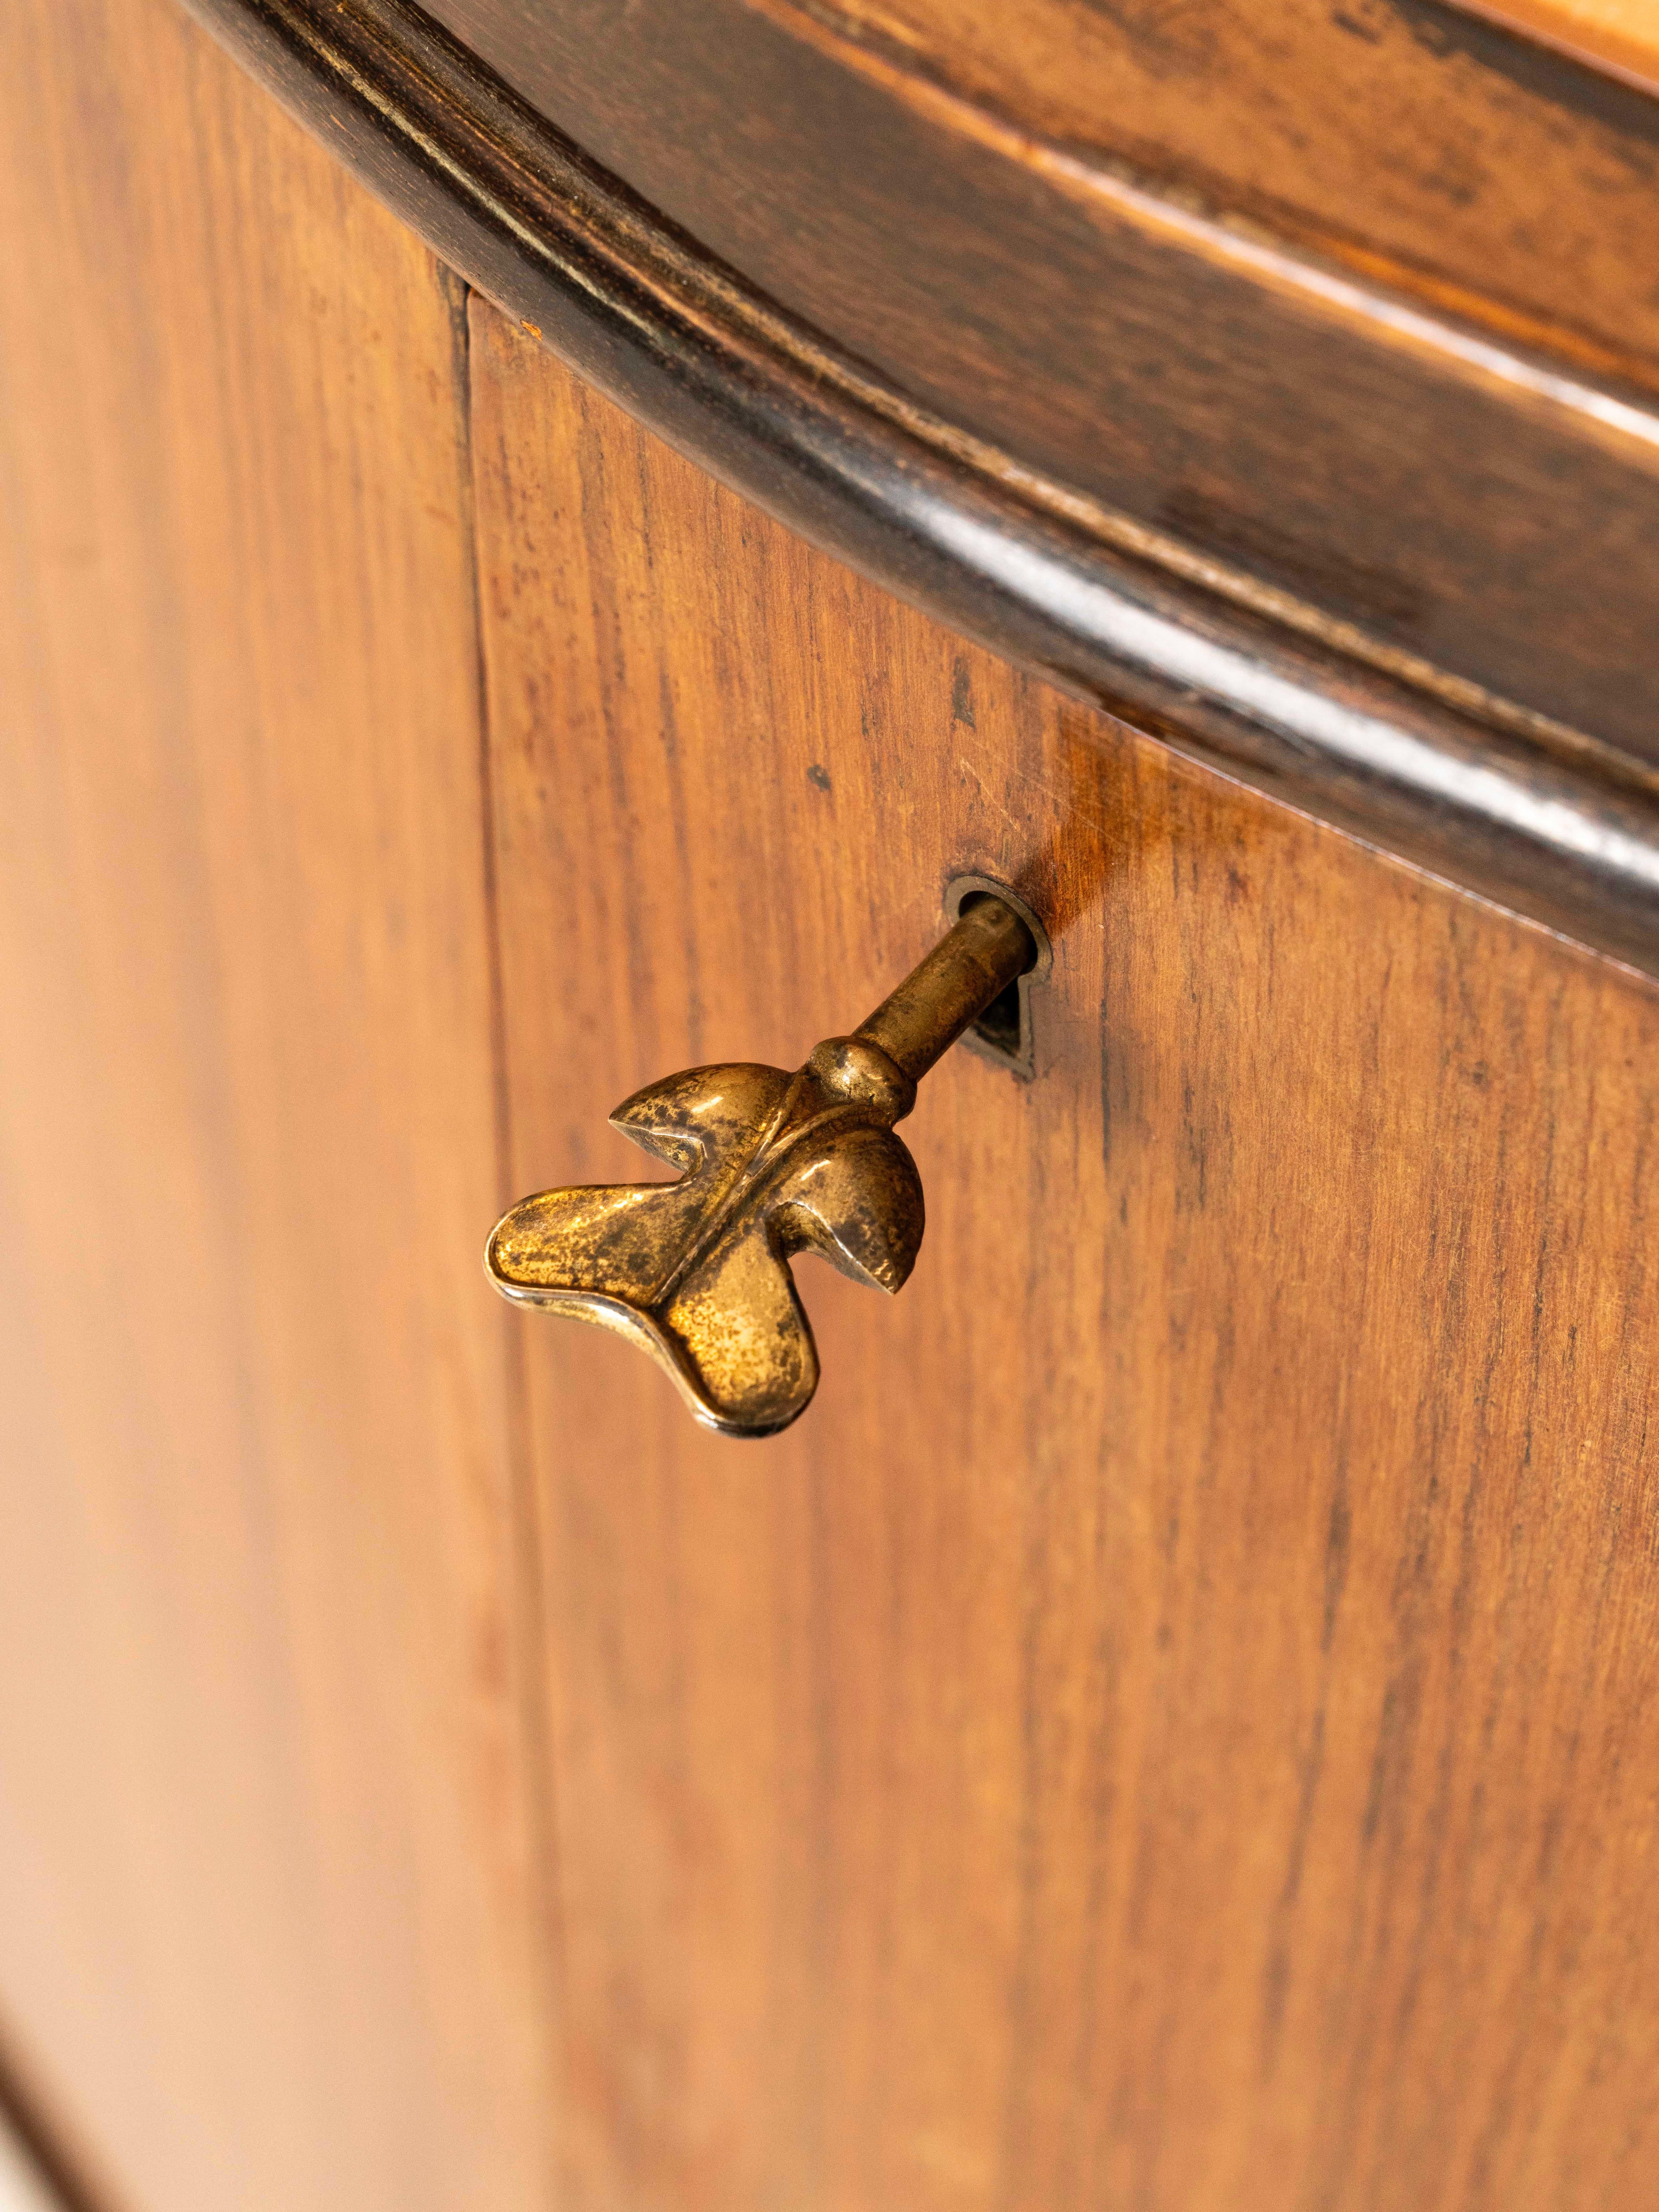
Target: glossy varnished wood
268,1927
941,189
1173,1727
1278,687
1405,135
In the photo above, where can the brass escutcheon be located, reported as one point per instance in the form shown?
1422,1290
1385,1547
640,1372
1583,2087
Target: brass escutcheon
697,1272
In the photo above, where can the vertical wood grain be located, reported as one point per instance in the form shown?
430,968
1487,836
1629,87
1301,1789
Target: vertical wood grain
1174,1726
1173,1729
269,1927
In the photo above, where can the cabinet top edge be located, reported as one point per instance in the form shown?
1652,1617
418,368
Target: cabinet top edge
1494,792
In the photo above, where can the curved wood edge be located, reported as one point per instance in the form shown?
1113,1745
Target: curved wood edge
1404,449
1537,818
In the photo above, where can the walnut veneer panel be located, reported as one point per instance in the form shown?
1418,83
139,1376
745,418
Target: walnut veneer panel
268,1918
1174,1726
1172,1729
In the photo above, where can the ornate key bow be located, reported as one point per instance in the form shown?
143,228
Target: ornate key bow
696,1272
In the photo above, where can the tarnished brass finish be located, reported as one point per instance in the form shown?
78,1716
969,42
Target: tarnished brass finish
696,1272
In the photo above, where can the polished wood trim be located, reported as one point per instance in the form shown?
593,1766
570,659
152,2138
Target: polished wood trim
1262,684
1410,380
272,1836
1421,140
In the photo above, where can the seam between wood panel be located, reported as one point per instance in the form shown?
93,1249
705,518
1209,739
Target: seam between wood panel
526,1532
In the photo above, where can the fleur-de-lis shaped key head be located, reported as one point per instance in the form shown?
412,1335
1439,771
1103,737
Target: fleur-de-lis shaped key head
697,1272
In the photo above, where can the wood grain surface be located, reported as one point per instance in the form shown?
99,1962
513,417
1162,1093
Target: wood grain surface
1406,134
1173,1727
269,1915
1082,235
1266,685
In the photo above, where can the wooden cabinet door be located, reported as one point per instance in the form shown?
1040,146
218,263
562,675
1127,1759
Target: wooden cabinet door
1173,1726
269,1890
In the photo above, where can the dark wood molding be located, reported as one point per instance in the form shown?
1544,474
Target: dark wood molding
1405,140
1283,689
1393,353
